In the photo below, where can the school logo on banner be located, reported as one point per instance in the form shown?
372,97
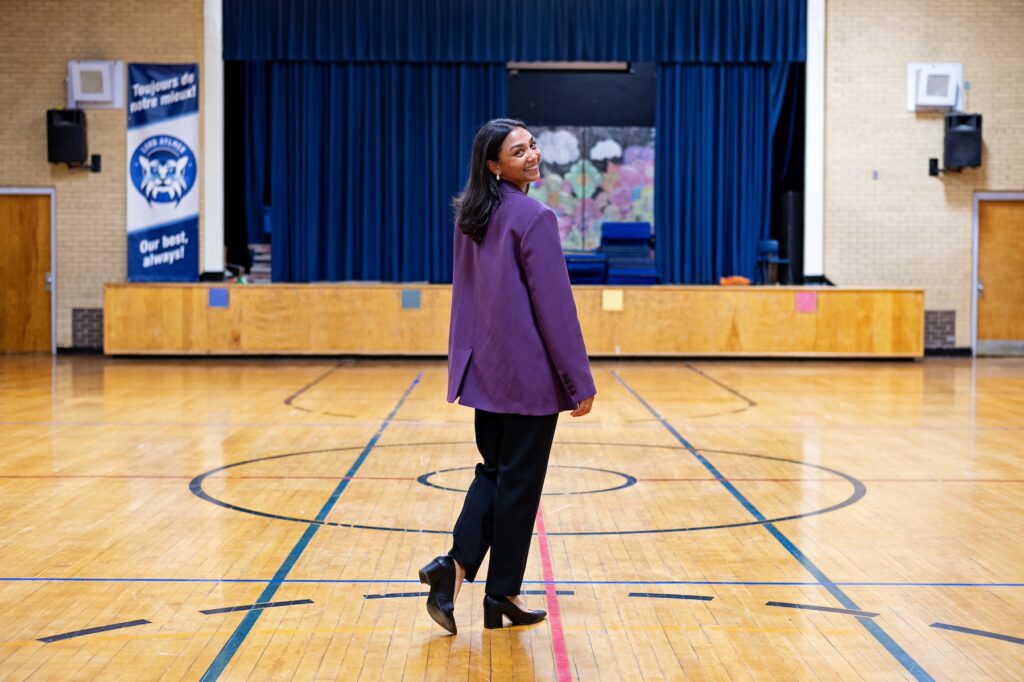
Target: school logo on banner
163,204
163,169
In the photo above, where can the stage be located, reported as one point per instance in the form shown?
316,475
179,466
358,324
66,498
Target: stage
412,319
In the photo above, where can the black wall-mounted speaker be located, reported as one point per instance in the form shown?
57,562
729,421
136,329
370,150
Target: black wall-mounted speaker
962,147
65,136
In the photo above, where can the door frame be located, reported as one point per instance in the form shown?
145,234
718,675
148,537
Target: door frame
52,193
976,228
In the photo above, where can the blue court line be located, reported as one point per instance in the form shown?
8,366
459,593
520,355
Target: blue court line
258,605
227,652
980,633
385,581
656,595
827,609
871,626
91,631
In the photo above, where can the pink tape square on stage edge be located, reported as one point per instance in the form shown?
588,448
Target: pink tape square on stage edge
807,301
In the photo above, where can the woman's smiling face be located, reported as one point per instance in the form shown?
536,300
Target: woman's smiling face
519,159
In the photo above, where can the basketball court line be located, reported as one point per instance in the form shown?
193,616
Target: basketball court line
750,404
293,396
691,479
871,626
227,652
387,581
349,424
562,669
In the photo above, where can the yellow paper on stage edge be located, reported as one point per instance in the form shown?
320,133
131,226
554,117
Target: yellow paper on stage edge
611,299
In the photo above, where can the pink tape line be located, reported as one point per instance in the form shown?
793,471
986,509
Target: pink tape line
562,669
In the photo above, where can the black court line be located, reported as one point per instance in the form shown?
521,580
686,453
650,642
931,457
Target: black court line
749,403
658,595
290,400
627,480
398,595
859,490
980,633
92,631
250,607
828,609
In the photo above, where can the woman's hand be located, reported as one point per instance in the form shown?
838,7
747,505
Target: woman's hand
583,407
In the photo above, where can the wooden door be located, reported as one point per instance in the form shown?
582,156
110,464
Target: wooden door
1001,277
24,264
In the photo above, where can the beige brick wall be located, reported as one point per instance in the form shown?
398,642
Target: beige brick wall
37,39
907,228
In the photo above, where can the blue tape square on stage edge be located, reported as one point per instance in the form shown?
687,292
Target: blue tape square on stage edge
218,298
410,299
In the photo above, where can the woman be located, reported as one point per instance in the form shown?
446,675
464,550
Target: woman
516,354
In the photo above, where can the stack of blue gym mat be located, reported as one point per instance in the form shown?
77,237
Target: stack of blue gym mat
586,267
627,247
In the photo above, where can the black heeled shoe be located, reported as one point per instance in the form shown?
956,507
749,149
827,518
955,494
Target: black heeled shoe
439,574
496,607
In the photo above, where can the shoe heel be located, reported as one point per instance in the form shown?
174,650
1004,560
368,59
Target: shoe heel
427,571
492,619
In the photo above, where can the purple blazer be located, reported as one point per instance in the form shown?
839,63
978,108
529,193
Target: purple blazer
515,345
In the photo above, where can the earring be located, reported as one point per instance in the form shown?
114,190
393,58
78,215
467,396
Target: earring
497,176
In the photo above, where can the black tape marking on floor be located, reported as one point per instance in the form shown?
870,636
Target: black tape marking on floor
92,631
980,633
397,595
253,607
660,595
827,609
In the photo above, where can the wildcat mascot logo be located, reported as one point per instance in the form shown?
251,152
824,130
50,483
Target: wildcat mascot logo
163,169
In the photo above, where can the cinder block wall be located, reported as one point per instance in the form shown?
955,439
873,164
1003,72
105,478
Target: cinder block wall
906,228
37,39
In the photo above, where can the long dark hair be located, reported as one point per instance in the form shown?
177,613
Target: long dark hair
481,195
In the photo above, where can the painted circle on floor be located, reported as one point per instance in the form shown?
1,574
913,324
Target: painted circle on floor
196,486
627,480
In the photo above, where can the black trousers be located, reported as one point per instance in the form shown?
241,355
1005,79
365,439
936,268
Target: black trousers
501,503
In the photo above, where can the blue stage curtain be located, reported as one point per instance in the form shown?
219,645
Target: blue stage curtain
475,31
254,77
363,162
713,167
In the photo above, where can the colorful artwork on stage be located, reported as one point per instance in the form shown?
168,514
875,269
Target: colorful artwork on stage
594,175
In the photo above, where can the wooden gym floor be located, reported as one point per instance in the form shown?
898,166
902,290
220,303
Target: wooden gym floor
710,520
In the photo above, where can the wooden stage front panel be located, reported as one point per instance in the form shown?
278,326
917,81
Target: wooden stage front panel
391,319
